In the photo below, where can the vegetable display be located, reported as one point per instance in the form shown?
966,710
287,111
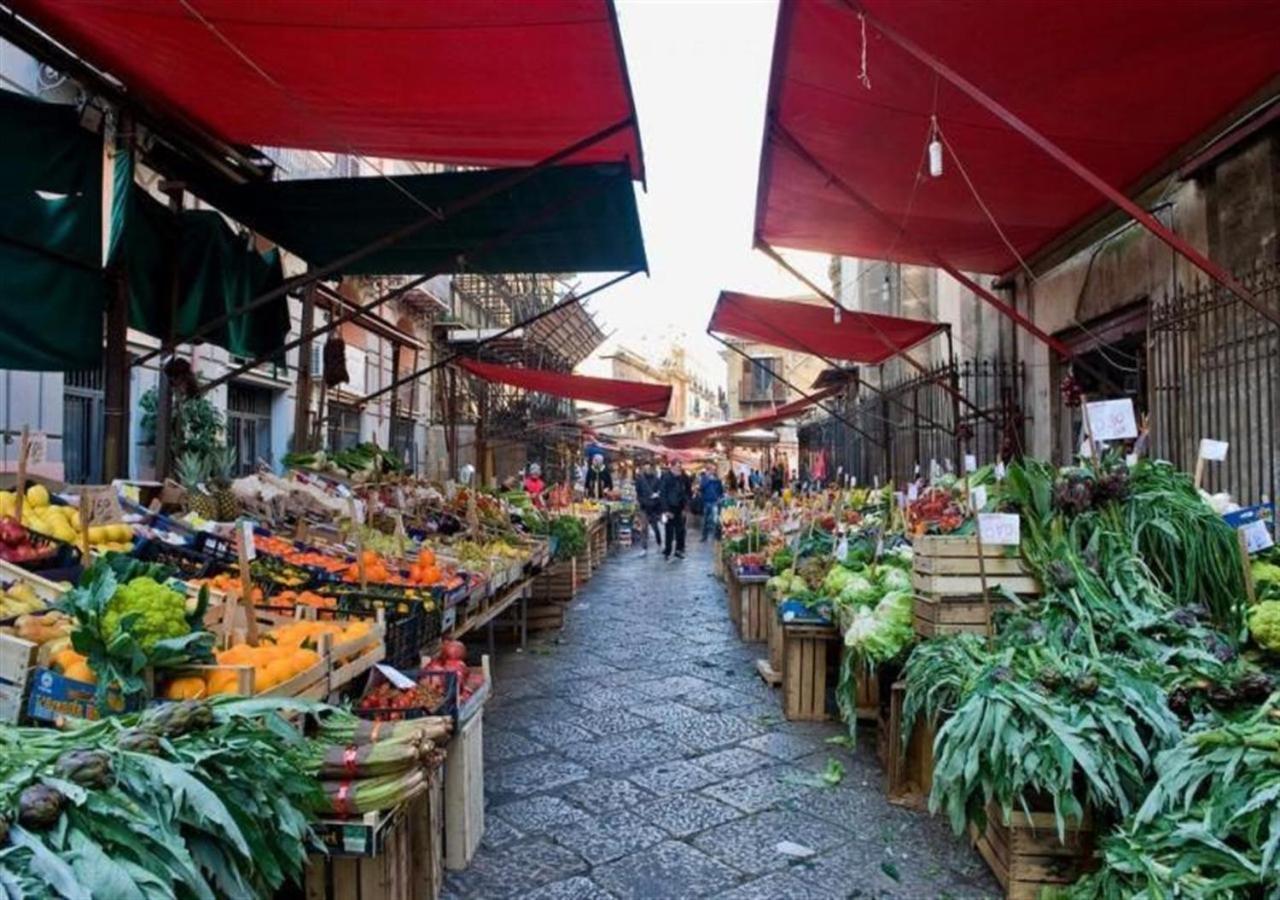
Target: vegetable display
571,536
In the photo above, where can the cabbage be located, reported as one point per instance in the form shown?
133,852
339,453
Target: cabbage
894,579
859,591
876,638
897,607
836,580
798,585
860,628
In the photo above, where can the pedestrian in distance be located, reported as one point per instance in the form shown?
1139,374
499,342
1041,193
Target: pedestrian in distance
648,483
711,490
673,492
598,481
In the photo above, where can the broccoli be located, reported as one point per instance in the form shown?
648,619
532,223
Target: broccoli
161,612
1264,624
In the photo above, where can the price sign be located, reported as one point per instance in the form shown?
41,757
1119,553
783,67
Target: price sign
1112,420
397,518
999,470
1255,525
245,534
970,462
103,505
979,497
397,679
1000,529
1131,459
1213,451
1257,537
37,447
913,491
842,549
901,498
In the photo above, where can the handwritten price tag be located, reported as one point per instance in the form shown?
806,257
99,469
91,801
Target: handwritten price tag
245,534
999,471
1000,529
1112,420
37,447
1257,537
913,491
1213,451
103,505
396,678
970,462
979,497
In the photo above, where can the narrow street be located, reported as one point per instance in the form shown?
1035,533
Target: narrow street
636,754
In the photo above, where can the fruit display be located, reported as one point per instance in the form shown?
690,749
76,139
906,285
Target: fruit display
453,658
19,599
49,630
18,545
117,537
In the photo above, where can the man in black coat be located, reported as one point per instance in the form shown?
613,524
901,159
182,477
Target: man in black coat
648,483
673,492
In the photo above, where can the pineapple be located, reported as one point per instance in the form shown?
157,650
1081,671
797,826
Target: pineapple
221,461
191,470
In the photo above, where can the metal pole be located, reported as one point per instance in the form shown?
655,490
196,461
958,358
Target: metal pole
1144,218
164,390
353,314
302,405
336,266
116,374
810,397
955,405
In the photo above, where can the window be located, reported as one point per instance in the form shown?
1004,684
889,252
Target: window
760,382
249,426
344,426
83,421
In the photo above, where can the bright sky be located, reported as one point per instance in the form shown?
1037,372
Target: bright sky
700,71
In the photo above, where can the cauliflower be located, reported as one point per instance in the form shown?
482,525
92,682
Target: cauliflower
1264,624
161,612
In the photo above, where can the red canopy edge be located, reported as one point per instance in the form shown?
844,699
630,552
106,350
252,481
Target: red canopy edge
1085,73
867,338
695,437
476,82
637,395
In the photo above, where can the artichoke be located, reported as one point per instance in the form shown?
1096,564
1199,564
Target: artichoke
135,741
1050,678
87,768
40,807
1061,575
1086,685
1255,687
174,719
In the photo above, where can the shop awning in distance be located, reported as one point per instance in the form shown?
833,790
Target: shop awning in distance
578,218
479,82
636,395
868,338
683,440
1094,76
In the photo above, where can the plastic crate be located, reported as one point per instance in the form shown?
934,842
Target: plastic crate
448,706
410,625
218,549
188,562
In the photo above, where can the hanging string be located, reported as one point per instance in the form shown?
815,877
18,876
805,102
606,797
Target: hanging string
862,75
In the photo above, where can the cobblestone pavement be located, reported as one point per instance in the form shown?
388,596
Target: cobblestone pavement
636,754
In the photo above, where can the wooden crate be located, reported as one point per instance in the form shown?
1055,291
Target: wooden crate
557,582
545,615
753,624
909,771
733,596
717,559
948,615
770,668
948,580
804,671
1026,855
866,698
351,659
464,793
405,864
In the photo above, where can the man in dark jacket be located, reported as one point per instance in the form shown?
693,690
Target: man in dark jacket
711,490
673,491
647,485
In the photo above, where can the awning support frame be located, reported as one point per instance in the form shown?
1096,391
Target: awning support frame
1071,164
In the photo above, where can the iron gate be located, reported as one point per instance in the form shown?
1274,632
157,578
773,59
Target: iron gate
83,423
1213,368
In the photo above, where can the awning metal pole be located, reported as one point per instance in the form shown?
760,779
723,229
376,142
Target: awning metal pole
1148,221
353,314
812,399
334,268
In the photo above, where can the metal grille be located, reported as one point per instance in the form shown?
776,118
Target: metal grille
1213,368
912,421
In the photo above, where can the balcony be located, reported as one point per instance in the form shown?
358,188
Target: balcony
752,390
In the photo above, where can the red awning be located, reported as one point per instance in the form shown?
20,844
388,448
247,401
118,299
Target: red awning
637,395
481,82
1126,88
867,338
698,436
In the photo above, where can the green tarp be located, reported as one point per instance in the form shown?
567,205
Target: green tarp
52,288
218,272
578,218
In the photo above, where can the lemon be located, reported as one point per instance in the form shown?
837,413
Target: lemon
38,495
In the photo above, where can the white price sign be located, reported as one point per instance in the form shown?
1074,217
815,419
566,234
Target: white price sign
1257,537
913,491
1000,529
246,539
999,470
37,447
1112,420
395,677
1213,451
842,549
970,462
979,497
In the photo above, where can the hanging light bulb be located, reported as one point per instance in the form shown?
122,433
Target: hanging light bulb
935,157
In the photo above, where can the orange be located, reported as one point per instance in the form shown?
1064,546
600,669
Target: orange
189,688
80,671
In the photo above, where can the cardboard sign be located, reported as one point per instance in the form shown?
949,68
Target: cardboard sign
1112,420
37,447
970,462
1213,451
978,496
102,504
395,677
1257,537
1255,524
1000,529
245,529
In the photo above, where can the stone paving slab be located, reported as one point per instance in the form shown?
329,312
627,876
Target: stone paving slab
637,754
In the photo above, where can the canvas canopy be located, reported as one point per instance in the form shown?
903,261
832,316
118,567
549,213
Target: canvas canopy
867,338
481,82
1092,75
612,392
698,436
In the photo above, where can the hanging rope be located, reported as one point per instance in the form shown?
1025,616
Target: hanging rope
862,74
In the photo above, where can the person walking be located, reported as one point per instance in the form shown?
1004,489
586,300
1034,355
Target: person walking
777,480
673,491
711,490
649,501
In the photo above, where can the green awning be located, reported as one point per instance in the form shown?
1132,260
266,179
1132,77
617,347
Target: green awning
218,272
578,218
52,290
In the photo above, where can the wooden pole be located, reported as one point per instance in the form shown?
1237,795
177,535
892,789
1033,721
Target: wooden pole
1249,591
246,587
302,405
84,527
24,446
